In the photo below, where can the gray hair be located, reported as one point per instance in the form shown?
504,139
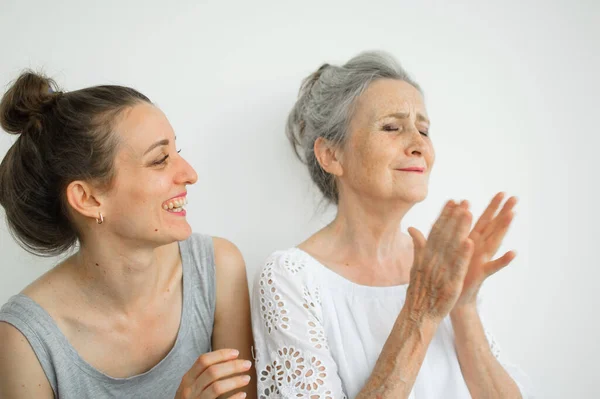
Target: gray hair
325,106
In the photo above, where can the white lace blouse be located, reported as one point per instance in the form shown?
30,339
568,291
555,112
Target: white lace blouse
318,335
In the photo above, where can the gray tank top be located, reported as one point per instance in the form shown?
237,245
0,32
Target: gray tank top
71,377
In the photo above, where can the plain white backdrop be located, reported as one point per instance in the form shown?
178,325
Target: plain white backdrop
512,90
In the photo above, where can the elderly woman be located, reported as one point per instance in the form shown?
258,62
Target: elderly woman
142,308
359,309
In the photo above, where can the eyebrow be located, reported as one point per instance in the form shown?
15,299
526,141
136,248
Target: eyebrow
404,115
157,144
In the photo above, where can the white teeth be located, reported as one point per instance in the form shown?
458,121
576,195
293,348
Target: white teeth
175,205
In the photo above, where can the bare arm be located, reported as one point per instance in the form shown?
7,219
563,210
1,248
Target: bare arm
484,375
401,357
436,279
21,375
233,327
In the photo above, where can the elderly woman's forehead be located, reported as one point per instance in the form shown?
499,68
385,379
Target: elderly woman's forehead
387,96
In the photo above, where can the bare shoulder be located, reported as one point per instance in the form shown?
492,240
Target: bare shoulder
232,327
228,258
231,280
21,375
44,289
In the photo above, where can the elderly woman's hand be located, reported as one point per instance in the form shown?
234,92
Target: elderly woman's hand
440,263
487,235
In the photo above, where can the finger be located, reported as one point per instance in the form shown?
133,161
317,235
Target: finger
463,258
488,214
442,220
495,238
222,370
500,263
419,240
444,229
461,232
221,387
459,222
463,223
207,360
500,218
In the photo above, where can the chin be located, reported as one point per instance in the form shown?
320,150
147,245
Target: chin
414,196
182,234
174,233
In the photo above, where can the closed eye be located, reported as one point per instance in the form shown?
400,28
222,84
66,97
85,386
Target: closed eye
390,128
394,128
161,161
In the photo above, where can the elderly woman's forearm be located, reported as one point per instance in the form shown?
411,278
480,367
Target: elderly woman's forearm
484,375
398,365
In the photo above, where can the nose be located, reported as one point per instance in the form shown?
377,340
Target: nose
185,174
416,144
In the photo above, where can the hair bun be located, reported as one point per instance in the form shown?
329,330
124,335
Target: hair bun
23,106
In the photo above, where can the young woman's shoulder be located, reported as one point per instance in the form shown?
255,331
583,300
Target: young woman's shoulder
21,375
227,256
52,289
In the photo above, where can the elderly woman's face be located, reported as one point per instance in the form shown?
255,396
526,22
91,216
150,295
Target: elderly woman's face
388,155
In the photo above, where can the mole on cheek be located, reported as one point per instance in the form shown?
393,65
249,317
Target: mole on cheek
155,229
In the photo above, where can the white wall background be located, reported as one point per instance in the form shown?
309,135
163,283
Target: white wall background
512,90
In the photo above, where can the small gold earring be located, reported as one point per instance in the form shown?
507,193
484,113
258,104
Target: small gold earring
100,218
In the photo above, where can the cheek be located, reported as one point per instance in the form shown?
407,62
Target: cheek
371,159
141,191
431,155
153,190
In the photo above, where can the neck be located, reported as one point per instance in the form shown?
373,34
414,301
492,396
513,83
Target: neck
368,231
127,277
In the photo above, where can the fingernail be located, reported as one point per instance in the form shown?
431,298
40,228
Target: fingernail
247,364
246,378
235,352
243,394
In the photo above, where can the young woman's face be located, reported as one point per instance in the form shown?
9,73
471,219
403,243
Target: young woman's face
148,192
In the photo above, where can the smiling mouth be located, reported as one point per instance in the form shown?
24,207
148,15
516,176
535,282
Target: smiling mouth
415,170
175,205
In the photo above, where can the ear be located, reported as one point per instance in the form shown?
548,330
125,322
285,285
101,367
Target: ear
328,156
80,196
